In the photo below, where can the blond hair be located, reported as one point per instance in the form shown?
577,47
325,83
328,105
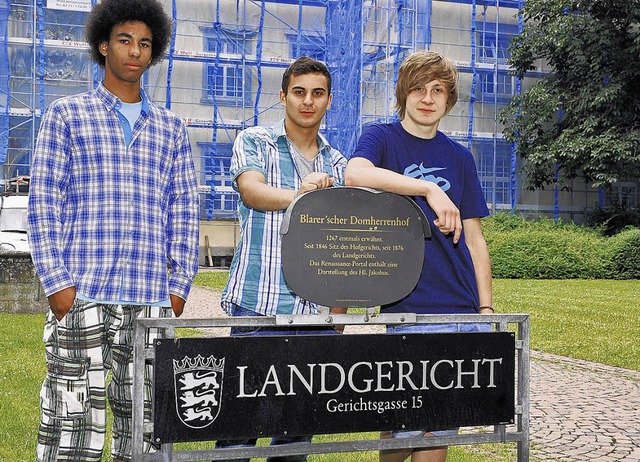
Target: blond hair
421,68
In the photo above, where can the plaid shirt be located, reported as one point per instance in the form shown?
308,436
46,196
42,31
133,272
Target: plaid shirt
120,223
256,281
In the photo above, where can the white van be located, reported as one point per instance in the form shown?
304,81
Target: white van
13,222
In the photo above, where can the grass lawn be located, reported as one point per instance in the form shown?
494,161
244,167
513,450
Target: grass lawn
595,320
22,370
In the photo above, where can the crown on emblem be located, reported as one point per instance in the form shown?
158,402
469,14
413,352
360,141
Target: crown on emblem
198,363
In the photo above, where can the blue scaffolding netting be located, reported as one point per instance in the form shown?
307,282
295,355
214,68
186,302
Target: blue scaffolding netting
224,67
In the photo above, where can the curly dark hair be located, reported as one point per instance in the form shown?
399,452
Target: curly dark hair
109,13
305,65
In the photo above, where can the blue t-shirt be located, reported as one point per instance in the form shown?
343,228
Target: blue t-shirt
447,283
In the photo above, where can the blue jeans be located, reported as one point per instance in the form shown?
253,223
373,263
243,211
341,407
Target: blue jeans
434,328
257,331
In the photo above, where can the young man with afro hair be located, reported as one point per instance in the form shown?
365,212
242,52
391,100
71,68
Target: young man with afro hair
114,219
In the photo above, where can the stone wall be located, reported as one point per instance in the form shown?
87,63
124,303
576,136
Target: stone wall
20,289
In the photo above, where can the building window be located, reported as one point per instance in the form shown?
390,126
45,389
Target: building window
312,46
493,44
219,200
18,154
227,80
494,170
624,193
489,90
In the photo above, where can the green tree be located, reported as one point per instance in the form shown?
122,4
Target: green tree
583,118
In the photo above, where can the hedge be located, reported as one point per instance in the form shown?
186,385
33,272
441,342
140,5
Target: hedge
624,258
540,248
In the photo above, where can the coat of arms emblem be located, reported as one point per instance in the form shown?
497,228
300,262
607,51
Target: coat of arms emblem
198,384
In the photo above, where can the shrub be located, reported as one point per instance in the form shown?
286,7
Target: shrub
624,254
543,249
613,218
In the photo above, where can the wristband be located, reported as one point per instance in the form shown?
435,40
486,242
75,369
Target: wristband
487,307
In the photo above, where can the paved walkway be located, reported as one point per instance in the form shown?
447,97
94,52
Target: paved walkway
580,411
583,411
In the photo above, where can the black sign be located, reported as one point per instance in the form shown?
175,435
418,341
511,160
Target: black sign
245,387
353,247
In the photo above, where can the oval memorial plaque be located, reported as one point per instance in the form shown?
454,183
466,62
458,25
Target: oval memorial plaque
353,247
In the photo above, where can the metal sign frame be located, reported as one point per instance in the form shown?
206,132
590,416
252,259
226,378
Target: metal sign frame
144,354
